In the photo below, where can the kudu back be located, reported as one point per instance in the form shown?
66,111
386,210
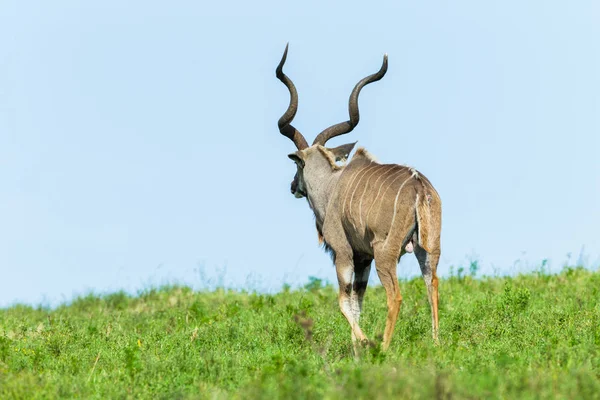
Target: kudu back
365,211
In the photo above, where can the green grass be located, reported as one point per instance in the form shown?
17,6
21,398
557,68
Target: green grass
529,336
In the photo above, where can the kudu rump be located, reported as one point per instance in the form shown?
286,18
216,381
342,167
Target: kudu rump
365,210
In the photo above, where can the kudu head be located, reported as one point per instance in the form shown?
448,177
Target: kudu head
317,154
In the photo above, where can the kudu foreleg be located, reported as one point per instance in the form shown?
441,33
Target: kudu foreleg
362,268
345,271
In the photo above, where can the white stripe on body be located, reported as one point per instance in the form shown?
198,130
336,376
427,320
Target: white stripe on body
385,191
361,199
348,189
396,210
395,175
366,170
385,176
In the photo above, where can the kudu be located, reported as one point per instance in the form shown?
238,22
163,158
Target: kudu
365,210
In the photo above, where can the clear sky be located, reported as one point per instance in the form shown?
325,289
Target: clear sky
139,141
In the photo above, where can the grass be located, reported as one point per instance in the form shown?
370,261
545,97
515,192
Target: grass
529,336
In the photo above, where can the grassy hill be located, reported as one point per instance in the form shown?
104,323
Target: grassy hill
530,336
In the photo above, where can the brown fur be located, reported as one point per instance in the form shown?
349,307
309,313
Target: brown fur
361,152
375,210
372,211
364,211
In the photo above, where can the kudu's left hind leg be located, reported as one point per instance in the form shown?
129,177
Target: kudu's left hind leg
428,263
386,270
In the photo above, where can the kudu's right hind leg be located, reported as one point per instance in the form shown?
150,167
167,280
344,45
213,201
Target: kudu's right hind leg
428,263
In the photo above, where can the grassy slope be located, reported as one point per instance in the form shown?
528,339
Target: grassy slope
530,336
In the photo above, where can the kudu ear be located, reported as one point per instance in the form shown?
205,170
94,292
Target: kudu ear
297,158
342,152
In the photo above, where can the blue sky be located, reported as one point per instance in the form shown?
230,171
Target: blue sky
139,141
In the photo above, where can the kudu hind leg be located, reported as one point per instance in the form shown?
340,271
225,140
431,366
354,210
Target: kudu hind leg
428,263
386,270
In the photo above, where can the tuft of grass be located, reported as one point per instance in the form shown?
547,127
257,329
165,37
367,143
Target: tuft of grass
528,336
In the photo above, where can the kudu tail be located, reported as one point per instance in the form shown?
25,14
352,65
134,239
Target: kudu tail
428,217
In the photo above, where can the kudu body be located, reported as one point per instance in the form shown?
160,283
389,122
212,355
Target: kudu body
365,210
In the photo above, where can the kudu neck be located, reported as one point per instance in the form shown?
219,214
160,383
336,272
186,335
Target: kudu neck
320,184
